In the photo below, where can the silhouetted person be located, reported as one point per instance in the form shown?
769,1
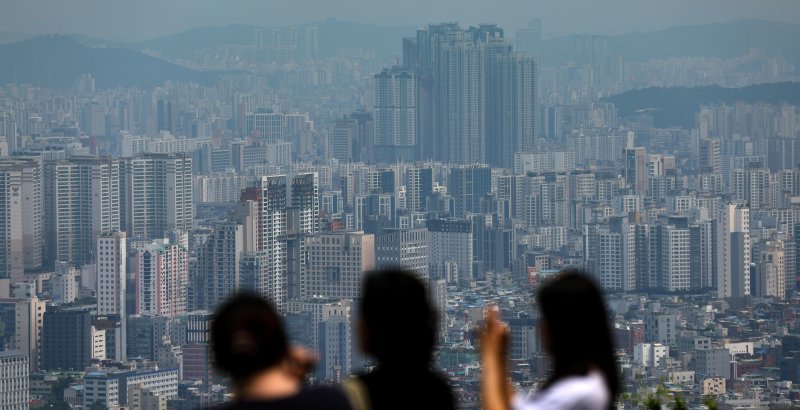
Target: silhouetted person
397,327
250,344
575,332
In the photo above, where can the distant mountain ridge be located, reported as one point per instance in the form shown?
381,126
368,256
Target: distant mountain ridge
58,61
722,40
677,106
333,35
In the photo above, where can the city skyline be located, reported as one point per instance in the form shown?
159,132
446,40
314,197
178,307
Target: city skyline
140,188
137,21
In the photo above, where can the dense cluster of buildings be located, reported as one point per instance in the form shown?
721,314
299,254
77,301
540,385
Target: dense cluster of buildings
127,216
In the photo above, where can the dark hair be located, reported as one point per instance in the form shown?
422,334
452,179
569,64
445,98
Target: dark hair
247,337
573,309
399,321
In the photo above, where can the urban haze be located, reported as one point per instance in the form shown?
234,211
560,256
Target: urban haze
157,158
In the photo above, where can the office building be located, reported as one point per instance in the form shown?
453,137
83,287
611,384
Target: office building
336,262
66,340
407,248
450,250
14,383
110,388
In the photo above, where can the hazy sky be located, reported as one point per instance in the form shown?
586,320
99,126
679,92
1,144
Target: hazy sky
141,19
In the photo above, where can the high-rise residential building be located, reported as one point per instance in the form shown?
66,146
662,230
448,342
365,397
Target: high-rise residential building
167,116
81,201
770,271
437,292
395,116
528,40
702,253
673,257
20,216
511,117
304,197
733,251
636,170
29,314
450,250
610,254
156,195
709,157
336,262
111,265
468,185
419,187
273,198
407,248
473,94
66,340
216,274
752,187
14,382
162,276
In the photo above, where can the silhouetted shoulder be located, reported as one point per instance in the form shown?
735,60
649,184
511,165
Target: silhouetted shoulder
322,398
414,390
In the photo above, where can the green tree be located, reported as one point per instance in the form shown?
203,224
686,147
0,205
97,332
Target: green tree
679,403
652,402
710,402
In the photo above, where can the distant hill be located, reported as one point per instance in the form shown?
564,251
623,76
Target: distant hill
11,36
185,43
386,41
677,106
722,40
333,35
58,61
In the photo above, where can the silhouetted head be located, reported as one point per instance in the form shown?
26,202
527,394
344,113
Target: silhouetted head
575,328
398,323
247,337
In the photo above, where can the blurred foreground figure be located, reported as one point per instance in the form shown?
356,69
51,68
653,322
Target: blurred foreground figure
575,332
397,327
250,345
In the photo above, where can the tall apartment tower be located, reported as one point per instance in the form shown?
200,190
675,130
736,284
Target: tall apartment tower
156,192
272,228
468,185
20,216
81,201
475,98
29,316
395,119
636,169
112,260
216,274
419,187
162,276
528,40
733,251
